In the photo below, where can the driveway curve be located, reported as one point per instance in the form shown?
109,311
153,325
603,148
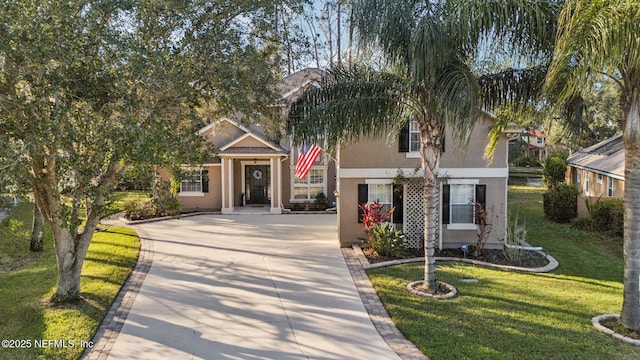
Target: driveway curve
248,287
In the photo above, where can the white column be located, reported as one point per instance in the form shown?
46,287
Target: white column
275,193
231,193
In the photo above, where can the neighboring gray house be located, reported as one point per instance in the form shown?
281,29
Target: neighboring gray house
598,171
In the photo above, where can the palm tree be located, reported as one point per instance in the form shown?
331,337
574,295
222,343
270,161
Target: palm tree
595,38
429,47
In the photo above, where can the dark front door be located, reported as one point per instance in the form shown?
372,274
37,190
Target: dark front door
257,184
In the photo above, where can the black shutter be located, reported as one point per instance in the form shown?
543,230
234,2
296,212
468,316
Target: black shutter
205,181
443,143
481,195
398,195
446,189
363,197
403,141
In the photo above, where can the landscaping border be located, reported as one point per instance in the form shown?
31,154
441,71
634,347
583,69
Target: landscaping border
108,331
552,265
596,323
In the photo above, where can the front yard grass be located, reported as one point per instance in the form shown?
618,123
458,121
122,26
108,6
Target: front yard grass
509,315
28,279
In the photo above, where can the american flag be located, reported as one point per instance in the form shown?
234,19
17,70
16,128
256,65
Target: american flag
306,159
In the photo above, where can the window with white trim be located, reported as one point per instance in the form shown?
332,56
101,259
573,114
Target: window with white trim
609,186
578,173
192,181
586,182
459,200
462,203
414,136
599,178
309,187
382,193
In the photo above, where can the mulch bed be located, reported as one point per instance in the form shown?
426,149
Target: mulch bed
528,259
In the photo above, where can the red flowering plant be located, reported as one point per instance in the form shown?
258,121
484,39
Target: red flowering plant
383,239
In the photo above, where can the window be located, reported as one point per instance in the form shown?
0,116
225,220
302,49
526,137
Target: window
539,140
309,187
382,193
578,180
609,186
414,136
599,178
195,181
459,201
586,182
462,203
387,194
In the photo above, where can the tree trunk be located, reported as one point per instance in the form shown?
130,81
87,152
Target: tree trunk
430,136
37,230
630,314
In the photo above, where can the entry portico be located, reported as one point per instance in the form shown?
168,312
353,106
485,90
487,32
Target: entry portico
259,171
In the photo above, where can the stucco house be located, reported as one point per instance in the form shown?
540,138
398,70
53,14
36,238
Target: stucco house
380,170
252,170
598,171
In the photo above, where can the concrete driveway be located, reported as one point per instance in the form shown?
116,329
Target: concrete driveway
248,287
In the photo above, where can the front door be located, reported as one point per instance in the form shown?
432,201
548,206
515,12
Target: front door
257,184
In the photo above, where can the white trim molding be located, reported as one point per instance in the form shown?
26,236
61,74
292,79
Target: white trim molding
190,193
245,136
390,173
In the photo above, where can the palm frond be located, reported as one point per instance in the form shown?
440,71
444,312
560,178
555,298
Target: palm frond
350,102
521,25
517,86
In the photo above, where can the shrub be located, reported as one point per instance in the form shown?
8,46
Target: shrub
583,223
168,206
386,241
321,202
383,239
608,216
554,171
137,209
561,203
516,237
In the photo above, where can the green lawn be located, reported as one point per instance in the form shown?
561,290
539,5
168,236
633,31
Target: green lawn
27,280
509,315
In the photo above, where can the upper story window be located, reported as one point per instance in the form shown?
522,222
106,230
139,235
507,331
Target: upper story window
599,178
539,140
414,136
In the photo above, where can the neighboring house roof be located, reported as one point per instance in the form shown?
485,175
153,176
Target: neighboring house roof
606,157
297,81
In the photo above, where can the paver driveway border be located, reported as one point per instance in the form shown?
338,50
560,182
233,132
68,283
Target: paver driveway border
112,324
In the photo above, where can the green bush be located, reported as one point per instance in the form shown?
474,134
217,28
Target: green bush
137,209
561,203
386,241
321,202
608,216
168,206
583,223
553,172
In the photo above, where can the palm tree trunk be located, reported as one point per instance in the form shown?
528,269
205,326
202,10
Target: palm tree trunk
630,314
430,156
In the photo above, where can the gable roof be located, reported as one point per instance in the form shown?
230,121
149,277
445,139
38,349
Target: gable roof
297,81
606,157
250,132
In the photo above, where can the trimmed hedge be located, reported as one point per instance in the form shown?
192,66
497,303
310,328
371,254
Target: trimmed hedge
608,216
554,170
561,203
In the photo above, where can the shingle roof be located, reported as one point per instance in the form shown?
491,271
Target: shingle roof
606,157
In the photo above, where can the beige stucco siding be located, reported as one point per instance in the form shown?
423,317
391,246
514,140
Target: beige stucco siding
383,153
350,231
205,201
